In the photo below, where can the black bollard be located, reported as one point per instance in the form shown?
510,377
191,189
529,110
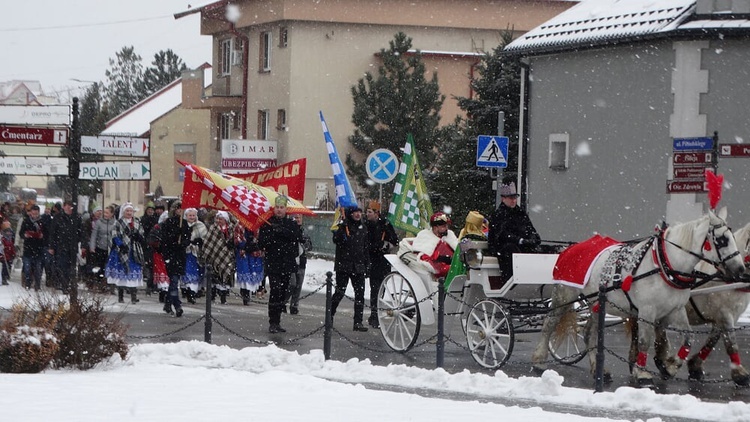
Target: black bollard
440,346
207,325
329,319
599,377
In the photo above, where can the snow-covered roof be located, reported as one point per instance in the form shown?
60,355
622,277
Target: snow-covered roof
137,119
593,22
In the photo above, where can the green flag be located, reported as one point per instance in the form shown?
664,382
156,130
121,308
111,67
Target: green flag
410,209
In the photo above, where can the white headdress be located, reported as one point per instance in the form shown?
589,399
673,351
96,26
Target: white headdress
124,207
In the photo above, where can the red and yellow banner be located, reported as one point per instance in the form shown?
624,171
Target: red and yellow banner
251,203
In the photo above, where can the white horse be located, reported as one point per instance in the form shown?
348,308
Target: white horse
721,308
660,267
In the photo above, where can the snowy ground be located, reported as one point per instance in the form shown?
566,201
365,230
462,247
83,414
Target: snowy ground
194,381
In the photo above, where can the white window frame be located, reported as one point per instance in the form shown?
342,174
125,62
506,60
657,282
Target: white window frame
264,118
559,151
266,45
225,57
225,128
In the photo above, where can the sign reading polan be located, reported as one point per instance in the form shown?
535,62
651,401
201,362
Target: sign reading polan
115,170
115,145
52,115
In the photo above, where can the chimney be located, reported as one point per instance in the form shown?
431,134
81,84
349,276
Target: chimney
192,88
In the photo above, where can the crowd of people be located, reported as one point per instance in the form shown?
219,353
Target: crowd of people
178,252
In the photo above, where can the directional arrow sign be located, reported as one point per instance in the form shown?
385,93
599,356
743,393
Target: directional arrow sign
38,166
33,136
116,170
35,115
115,145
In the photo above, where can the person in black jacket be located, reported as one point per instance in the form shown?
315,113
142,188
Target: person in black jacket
511,231
382,238
352,262
65,234
279,239
33,247
175,235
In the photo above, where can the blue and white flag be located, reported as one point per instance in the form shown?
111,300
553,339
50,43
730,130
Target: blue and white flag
344,193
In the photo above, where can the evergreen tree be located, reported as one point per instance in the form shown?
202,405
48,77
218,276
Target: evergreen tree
6,180
124,88
94,111
165,68
460,183
398,101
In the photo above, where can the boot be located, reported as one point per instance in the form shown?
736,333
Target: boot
359,327
191,297
178,311
373,321
213,294
133,296
120,295
223,296
245,296
162,293
168,308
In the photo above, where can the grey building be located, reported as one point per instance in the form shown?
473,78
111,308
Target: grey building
611,88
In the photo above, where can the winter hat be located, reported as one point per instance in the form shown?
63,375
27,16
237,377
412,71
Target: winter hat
223,214
97,208
280,201
439,219
352,209
374,205
508,190
125,207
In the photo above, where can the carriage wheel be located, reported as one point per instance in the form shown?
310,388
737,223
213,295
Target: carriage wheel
489,334
398,312
569,347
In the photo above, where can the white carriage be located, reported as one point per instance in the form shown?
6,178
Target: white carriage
491,311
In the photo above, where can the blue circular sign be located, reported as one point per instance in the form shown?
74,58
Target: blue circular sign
382,166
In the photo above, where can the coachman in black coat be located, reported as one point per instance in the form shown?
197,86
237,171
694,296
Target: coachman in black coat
175,238
352,262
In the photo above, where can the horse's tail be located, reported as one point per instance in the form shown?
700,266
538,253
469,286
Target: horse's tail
568,320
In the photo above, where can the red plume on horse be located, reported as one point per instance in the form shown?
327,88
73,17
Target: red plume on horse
714,182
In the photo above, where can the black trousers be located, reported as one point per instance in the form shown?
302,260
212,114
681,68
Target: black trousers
379,269
358,283
279,284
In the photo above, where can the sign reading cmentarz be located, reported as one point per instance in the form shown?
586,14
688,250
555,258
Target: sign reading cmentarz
52,115
33,136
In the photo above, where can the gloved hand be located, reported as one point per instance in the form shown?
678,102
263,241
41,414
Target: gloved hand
386,247
197,242
137,237
529,242
124,248
445,259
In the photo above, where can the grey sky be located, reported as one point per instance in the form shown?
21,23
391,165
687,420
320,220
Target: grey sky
54,41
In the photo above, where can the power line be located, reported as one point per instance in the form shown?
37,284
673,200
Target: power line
84,25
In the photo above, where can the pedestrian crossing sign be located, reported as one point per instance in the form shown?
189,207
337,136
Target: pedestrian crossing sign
492,151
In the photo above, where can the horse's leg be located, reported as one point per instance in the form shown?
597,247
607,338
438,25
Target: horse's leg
631,327
641,376
695,364
561,304
679,320
740,376
661,351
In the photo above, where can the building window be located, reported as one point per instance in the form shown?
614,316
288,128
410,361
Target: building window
235,120
185,153
558,151
225,125
281,119
225,57
263,124
283,37
265,51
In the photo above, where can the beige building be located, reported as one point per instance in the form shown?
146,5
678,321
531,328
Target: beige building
276,63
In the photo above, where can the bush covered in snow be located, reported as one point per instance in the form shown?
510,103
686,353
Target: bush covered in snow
48,330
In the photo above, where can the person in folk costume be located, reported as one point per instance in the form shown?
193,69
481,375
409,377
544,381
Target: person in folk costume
278,238
435,246
175,238
473,230
352,262
158,267
382,238
249,262
191,281
298,278
125,265
218,253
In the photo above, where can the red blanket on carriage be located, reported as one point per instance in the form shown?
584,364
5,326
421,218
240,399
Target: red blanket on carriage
573,264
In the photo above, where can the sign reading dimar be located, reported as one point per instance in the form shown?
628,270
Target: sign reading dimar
115,170
34,166
115,145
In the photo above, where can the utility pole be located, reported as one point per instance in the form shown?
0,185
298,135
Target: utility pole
499,176
73,168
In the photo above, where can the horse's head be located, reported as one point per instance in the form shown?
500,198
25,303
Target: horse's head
721,246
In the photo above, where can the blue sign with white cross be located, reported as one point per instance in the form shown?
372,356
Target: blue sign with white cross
492,151
382,165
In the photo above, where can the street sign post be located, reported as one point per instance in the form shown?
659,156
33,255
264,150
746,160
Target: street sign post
34,166
492,151
33,136
382,165
50,115
116,170
115,145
